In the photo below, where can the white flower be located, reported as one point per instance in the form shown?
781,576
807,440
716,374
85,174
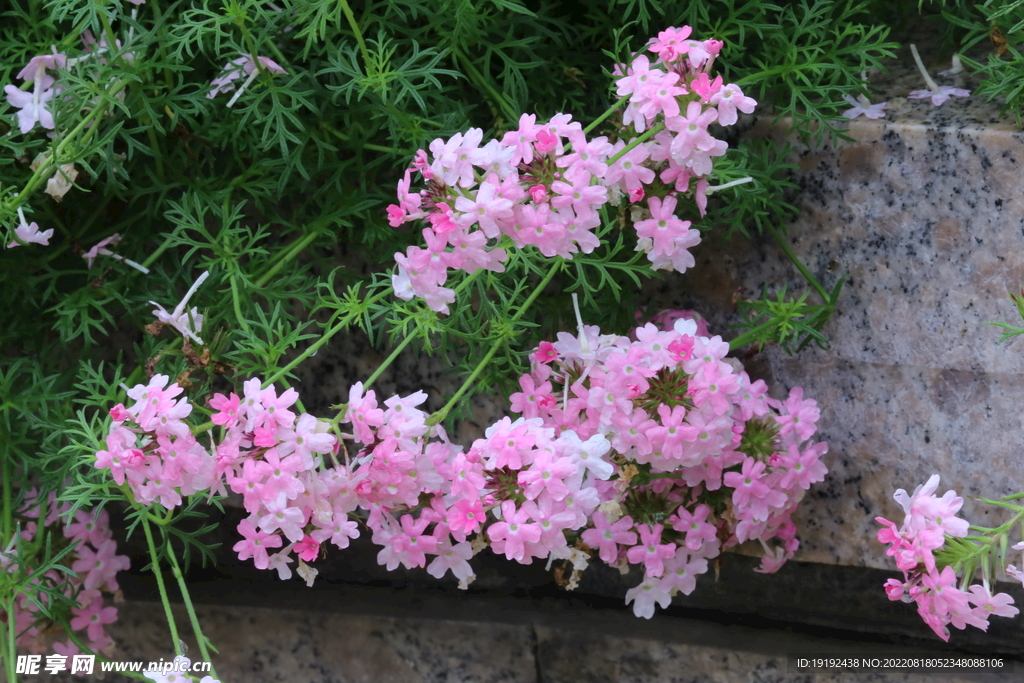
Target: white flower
190,323
645,595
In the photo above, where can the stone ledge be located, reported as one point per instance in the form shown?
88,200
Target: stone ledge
377,638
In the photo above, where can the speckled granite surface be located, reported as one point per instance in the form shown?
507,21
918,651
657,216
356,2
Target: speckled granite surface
260,645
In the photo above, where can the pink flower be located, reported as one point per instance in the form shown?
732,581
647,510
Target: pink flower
698,531
520,139
487,208
1000,604
671,43
32,104
452,557
466,516
662,227
607,537
255,544
307,549
510,536
728,100
29,232
651,551
413,542
93,615
940,96
227,407
862,106
681,573
100,248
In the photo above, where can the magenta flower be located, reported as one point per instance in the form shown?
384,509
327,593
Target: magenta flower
307,549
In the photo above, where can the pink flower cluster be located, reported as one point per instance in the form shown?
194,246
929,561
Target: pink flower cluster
928,520
267,454
694,443
543,184
657,452
95,561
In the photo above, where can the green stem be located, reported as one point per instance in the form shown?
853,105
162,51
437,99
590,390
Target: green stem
294,250
157,152
238,305
441,414
784,245
160,584
608,112
9,635
750,336
313,348
158,253
111,38
358,33
479,79
8,511
388,361
649,133
200,638
376,148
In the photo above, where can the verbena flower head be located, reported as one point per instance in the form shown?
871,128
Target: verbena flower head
543,184
927,523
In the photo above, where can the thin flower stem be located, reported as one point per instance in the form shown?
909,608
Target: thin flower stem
397,351
477,77
158,253
388,361
111,39
200,638
608,112
924,72
651,132
784,245
155,559
238,305
9,635
8,511
313,348
294,250
351,18
441,414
